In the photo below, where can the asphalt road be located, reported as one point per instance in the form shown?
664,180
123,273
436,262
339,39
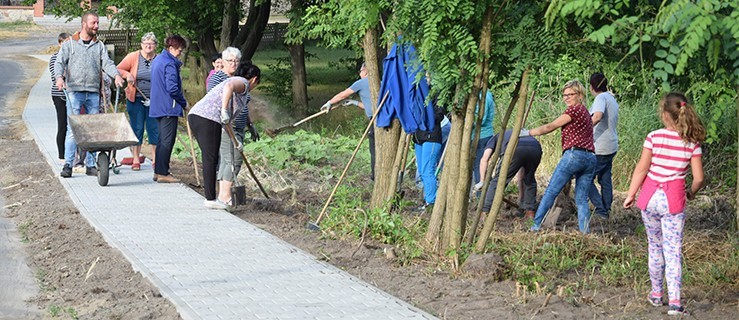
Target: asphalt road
17,284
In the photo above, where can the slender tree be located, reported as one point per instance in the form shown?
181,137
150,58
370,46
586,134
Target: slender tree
294,43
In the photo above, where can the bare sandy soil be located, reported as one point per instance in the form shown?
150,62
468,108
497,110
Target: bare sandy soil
78,274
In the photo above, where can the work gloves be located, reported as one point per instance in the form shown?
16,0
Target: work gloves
253,132
477,187
225,116
326,107
350,102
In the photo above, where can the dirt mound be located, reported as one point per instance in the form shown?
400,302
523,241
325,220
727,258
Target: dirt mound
488,265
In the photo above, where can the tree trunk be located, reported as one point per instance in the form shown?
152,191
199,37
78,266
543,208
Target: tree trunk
458,199
198,69
737,165
251,20
492,164
457,144
386,139
507,157
299,82
229,24
206,45
448,177
251,34
297,59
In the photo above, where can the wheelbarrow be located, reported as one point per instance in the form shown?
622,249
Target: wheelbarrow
103,133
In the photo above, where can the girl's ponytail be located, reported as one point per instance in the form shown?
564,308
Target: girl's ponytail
686,120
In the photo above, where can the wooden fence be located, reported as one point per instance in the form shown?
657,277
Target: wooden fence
124,41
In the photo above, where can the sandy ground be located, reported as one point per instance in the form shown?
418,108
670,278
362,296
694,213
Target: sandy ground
61,246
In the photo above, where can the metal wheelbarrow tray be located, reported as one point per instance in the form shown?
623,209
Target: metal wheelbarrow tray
104,133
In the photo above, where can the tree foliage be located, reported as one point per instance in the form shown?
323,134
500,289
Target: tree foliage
674,36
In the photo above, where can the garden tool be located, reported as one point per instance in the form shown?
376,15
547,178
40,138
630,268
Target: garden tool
273,132
117,94
192,152
238,191
314,226
230,132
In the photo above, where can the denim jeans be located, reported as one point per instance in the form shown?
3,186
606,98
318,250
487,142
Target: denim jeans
602,200
427,157
581,165
140,119
78,100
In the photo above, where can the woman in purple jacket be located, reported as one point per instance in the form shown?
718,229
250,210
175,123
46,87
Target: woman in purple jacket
167,103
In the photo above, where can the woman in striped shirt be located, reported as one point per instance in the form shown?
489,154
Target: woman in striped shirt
660,174
60,102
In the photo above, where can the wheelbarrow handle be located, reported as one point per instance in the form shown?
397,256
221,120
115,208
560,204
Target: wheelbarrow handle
117,95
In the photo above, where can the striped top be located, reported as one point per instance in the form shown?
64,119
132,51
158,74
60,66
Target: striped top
215,79
670,155
54,91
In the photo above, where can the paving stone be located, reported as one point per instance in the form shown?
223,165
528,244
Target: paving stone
210,264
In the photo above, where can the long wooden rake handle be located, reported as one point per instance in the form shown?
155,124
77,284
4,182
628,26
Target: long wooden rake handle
192,152
354,154
230,132
315,115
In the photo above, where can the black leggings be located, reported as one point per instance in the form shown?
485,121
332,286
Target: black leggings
208,134
61,123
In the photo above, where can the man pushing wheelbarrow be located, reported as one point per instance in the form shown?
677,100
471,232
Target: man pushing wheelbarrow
83,60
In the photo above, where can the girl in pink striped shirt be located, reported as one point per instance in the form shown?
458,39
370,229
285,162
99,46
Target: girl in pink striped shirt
660,174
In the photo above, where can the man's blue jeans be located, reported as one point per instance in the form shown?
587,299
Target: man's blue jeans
427,158
581,165
602,200
76,101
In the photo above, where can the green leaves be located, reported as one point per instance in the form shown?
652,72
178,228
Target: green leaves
602,34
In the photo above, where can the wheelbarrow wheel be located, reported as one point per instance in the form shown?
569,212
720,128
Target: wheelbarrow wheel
103,167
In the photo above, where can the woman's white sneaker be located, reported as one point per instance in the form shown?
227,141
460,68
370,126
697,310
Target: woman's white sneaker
215,204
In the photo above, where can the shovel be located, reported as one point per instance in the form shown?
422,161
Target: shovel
230,132
273,132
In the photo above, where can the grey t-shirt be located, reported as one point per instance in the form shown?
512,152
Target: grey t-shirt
604,133
361,87
143,76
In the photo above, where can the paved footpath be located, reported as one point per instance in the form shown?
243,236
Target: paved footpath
210,264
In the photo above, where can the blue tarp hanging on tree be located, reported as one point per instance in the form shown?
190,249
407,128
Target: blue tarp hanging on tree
407,98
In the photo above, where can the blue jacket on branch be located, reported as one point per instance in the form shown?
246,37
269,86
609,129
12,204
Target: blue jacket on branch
403,78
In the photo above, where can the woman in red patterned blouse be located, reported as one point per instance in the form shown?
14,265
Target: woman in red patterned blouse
578,157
